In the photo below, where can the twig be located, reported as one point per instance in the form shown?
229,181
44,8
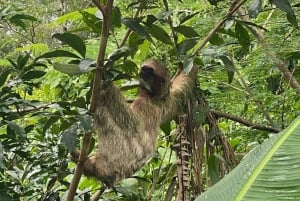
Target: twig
234,6
244,121
106,11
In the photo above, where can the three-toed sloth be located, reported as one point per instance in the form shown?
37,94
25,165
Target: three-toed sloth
127,133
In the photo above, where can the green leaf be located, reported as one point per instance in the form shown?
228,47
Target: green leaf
159,33
22,61
18,20
292,19
135,26
73,41
254,8
186,45
188,64
212,169
269,172
293,55
57,53
87,65
33,74
91,21
187,31
186,18
3,76
119,53
216,39
16,128
283,5
70,69
242,35
116,17
69,137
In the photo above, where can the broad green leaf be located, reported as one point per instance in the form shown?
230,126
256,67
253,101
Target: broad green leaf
216,39
33,74
87,65
271,171
160,34
91,21
16,128
73,41
18,20
116,17
285,6
188,64
187,31
213,172
254,8
164,14
119,53
70,69
293,55
186,45
69,137
135,26
292,19
58,53
22,61
242,35
3,76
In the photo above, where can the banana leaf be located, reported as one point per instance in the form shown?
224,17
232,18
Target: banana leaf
270,172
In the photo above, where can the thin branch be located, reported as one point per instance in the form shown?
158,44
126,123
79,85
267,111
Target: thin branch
244,121
234,6
106,11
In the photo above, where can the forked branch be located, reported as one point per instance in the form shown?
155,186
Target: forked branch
106,11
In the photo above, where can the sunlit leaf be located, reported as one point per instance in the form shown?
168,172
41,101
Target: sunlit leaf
269,172
73,41
160,34
135,26
58,53
187,31
186,45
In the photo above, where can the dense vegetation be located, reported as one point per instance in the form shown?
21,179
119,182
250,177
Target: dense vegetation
247,53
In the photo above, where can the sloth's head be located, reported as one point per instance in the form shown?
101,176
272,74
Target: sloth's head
154,79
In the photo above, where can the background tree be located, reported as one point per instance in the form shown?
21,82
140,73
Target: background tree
248,57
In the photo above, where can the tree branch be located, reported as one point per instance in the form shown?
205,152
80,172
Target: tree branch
234,6
244,121
106,11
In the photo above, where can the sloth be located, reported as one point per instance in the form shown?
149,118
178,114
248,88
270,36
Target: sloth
127,133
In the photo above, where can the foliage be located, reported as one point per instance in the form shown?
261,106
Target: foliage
48,55
269,171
